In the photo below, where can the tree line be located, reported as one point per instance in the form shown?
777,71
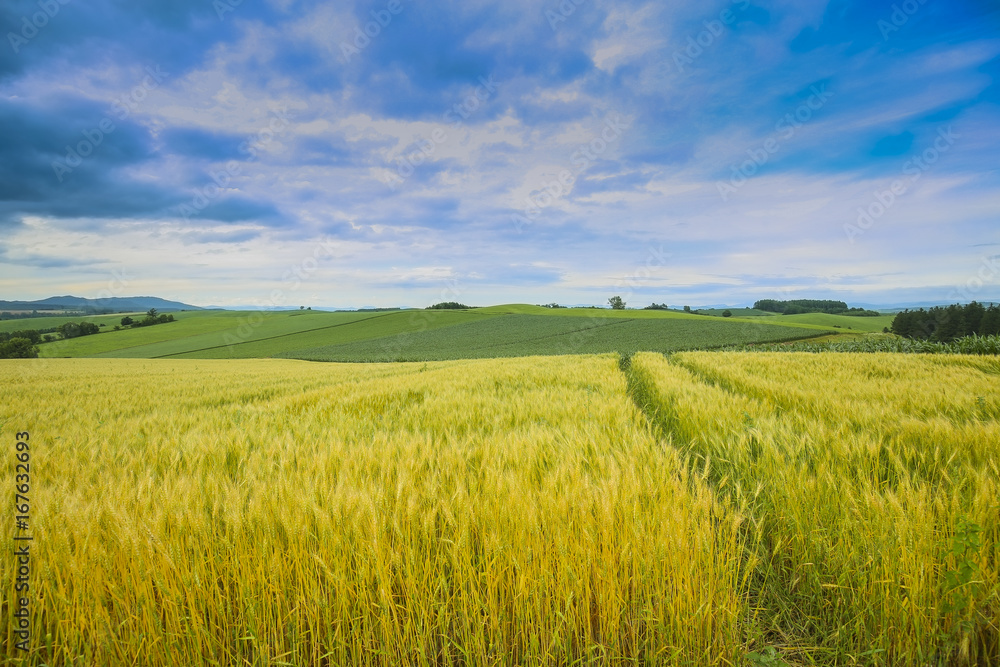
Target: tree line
150,319
947,323
22,315
799,306
448,305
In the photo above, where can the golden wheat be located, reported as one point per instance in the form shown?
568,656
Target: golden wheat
856,471
535,511
274,512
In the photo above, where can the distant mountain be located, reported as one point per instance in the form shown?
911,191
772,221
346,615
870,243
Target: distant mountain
114,304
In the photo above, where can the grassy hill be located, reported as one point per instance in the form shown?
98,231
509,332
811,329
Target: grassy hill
847,322
735,312
508,330
523,335
37,323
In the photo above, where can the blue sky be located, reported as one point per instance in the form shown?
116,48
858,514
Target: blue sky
286,152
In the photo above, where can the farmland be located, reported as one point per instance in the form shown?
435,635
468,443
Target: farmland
520,335
706,508
847,322
513,330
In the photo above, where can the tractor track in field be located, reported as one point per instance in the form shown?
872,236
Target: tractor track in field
258,340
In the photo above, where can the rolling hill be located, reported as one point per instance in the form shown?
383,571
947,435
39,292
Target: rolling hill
509,330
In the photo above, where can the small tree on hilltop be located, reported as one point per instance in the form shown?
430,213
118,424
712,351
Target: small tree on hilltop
616,303
727,313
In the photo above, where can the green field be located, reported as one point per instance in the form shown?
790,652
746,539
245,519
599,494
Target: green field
37,323
509,330
846,322
520,335
735,312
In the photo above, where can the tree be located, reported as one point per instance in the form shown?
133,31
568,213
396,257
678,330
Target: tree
18,348
990,324
448,305
727,313
69,330
126,321
974,313
950,323
34,336
687,309
616,303
151,313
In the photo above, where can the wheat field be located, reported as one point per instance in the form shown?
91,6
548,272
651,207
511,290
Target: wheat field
701,509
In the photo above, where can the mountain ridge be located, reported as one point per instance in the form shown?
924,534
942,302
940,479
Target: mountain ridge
115,304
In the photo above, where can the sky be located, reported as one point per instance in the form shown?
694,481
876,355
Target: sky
278,153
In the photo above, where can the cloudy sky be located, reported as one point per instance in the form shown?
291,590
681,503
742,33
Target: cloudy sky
390,152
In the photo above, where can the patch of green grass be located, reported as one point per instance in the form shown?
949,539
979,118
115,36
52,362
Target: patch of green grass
522,335
846,322
637,313
275,337
518,329
37,323
186,324
736,312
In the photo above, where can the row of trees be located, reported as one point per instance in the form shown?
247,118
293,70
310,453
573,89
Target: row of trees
799,306
448,305
948,323
23,315
74,330
31,335
150,319
18,348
